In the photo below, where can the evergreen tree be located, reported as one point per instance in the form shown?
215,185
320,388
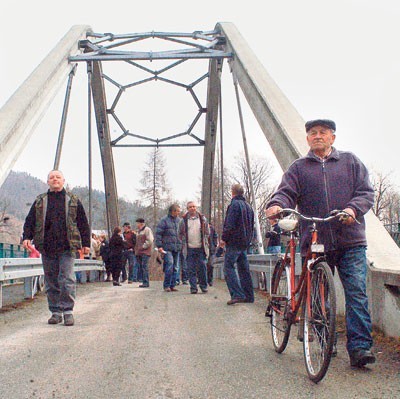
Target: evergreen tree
155,193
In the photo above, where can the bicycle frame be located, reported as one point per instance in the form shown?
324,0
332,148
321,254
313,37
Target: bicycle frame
299,290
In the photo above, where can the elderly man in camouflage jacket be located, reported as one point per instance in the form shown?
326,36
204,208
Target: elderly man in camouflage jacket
58,225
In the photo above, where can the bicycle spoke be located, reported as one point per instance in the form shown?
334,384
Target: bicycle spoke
280,305
319,323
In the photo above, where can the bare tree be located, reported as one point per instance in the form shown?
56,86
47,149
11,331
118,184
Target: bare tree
387,200
382,187
219,200
155,192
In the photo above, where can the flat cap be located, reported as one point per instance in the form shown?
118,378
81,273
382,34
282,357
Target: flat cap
321,122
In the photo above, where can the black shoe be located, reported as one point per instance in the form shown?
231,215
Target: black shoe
117,283
193,291
236,300
204,290
210,284
143,286
55,319
185,283
360,357
68,319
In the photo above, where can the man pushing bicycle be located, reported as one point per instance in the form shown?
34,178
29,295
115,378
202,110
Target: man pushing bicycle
324,180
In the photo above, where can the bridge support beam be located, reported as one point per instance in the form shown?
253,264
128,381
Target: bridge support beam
210,137
281,123
26,107
103,132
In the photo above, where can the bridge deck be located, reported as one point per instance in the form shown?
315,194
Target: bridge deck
143,343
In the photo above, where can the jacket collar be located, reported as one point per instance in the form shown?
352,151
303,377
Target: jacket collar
238,198
334,155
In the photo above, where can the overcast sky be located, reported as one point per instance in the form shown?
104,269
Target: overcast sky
337,59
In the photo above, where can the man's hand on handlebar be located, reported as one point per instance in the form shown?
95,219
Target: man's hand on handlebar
273,211
348,219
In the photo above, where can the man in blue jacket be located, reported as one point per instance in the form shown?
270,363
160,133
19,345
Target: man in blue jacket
236,237
324,180
169,245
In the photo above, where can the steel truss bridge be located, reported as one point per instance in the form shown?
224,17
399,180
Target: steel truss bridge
281,124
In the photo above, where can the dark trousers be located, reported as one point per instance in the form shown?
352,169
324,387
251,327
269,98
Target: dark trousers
143,262
196,262
210,268
182,270
60,281
118,265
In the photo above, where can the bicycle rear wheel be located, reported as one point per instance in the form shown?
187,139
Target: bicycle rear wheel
319,322
279,306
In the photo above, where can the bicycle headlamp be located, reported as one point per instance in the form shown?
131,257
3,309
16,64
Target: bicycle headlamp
288,224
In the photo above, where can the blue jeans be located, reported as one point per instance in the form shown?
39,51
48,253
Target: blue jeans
132,265
182,269
143,263
171,265
197,268
60,282
241,287
351,264
274,250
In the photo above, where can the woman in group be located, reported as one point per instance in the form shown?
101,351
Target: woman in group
105,256
116,255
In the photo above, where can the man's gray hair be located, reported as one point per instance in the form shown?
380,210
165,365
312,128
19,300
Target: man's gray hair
55,170
173,207
237,189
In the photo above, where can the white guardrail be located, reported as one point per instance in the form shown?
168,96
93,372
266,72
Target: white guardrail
261,268
31,271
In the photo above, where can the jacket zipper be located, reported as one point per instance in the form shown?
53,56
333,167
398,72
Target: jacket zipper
327,199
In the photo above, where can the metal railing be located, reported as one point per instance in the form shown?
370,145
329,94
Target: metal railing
30,270
12,251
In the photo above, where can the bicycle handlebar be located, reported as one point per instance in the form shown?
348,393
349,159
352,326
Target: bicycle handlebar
333,215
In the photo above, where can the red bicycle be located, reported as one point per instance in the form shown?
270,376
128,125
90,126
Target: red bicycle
309,299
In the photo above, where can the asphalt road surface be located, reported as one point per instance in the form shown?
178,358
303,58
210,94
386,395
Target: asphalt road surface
130,342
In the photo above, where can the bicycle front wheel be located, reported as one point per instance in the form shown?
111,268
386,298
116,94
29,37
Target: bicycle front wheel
319,322
279,306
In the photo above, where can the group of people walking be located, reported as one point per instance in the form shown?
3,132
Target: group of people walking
323,180
132,247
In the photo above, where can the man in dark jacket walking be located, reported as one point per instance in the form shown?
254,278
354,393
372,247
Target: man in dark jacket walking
169,245
236,237
58,225
324,180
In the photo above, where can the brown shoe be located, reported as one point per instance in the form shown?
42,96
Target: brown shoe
234,301
173,289
68,319
55,319
167,289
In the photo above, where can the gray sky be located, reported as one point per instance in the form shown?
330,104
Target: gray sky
331,59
